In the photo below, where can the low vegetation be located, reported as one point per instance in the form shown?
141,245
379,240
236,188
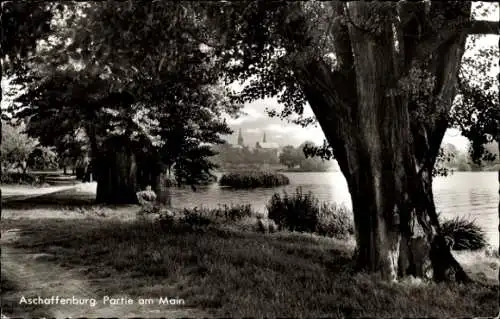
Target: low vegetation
223,214
297,212
240,274
465,233
170,181
304,212
230,272
335,221
16,178
253,179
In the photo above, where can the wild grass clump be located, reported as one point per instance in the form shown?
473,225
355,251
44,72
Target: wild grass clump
297,212
335,221
15,178
199,217
253,179
88,210
466,234
304,212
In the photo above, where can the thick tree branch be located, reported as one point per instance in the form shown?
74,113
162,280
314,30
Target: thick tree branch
342,44
430,45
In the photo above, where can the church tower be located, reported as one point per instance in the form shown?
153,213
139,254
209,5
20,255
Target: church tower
264,140
240,138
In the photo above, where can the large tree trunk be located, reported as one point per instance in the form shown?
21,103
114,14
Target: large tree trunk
386,158
153,173
396,221
117,173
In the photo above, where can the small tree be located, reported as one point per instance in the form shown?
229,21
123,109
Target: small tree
290,157
43,158
16,147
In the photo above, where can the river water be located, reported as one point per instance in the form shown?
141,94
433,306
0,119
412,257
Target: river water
471,194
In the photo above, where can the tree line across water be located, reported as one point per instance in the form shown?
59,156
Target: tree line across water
20,153
289,157
383,79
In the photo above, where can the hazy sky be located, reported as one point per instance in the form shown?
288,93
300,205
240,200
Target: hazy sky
256,122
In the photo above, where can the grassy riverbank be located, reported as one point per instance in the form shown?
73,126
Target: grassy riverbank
230,272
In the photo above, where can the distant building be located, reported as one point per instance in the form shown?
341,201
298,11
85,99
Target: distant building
264,145
241,143
268,146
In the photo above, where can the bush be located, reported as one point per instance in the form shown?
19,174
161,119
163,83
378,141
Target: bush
304,212
222,214
16,146
171,181
465,233
43,158
298,212
335,221
234,212
9,178
196,217
253,179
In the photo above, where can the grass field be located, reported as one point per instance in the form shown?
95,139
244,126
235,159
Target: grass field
228,272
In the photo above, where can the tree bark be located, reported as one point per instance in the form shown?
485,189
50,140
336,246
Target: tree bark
387,161
117,173
162,190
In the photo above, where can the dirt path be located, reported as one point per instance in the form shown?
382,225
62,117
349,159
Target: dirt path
36,276
19,193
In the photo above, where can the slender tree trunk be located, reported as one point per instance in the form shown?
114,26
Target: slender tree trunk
162,189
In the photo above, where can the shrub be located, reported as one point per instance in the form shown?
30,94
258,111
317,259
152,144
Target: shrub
265,225
16,146
43,158
298,212
335,221
196,217
234,212
465,233
253,179
304,212
222,214
171,181
21,178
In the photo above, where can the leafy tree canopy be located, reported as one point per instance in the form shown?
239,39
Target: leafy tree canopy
16,147
128,68
266,41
